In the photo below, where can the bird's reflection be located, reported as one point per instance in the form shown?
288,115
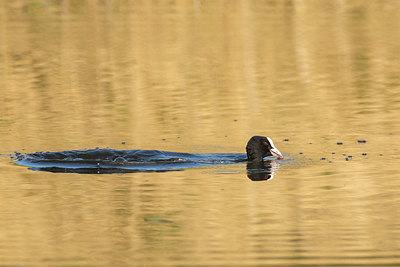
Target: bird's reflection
261,171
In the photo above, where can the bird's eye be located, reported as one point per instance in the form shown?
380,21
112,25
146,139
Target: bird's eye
266,143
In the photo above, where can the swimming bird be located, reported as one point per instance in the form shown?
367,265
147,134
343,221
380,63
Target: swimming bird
259,147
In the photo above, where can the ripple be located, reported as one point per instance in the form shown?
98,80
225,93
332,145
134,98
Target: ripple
99,161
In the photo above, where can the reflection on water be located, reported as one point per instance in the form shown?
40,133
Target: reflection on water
202,77
261,171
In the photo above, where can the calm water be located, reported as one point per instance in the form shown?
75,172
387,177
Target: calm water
202,77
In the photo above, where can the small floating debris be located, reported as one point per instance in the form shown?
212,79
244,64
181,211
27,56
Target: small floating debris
339,143
361,141
364,154
381,155
333,153
344,154
123,143
286,140
347,159
323,158
349,156
301,153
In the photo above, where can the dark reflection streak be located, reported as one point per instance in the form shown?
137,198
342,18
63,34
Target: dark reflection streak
94,170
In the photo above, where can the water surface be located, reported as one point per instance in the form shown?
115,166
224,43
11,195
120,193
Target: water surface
202,77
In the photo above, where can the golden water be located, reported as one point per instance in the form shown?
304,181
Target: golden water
202,76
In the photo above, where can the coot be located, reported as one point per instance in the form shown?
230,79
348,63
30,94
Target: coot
259,147
129,161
